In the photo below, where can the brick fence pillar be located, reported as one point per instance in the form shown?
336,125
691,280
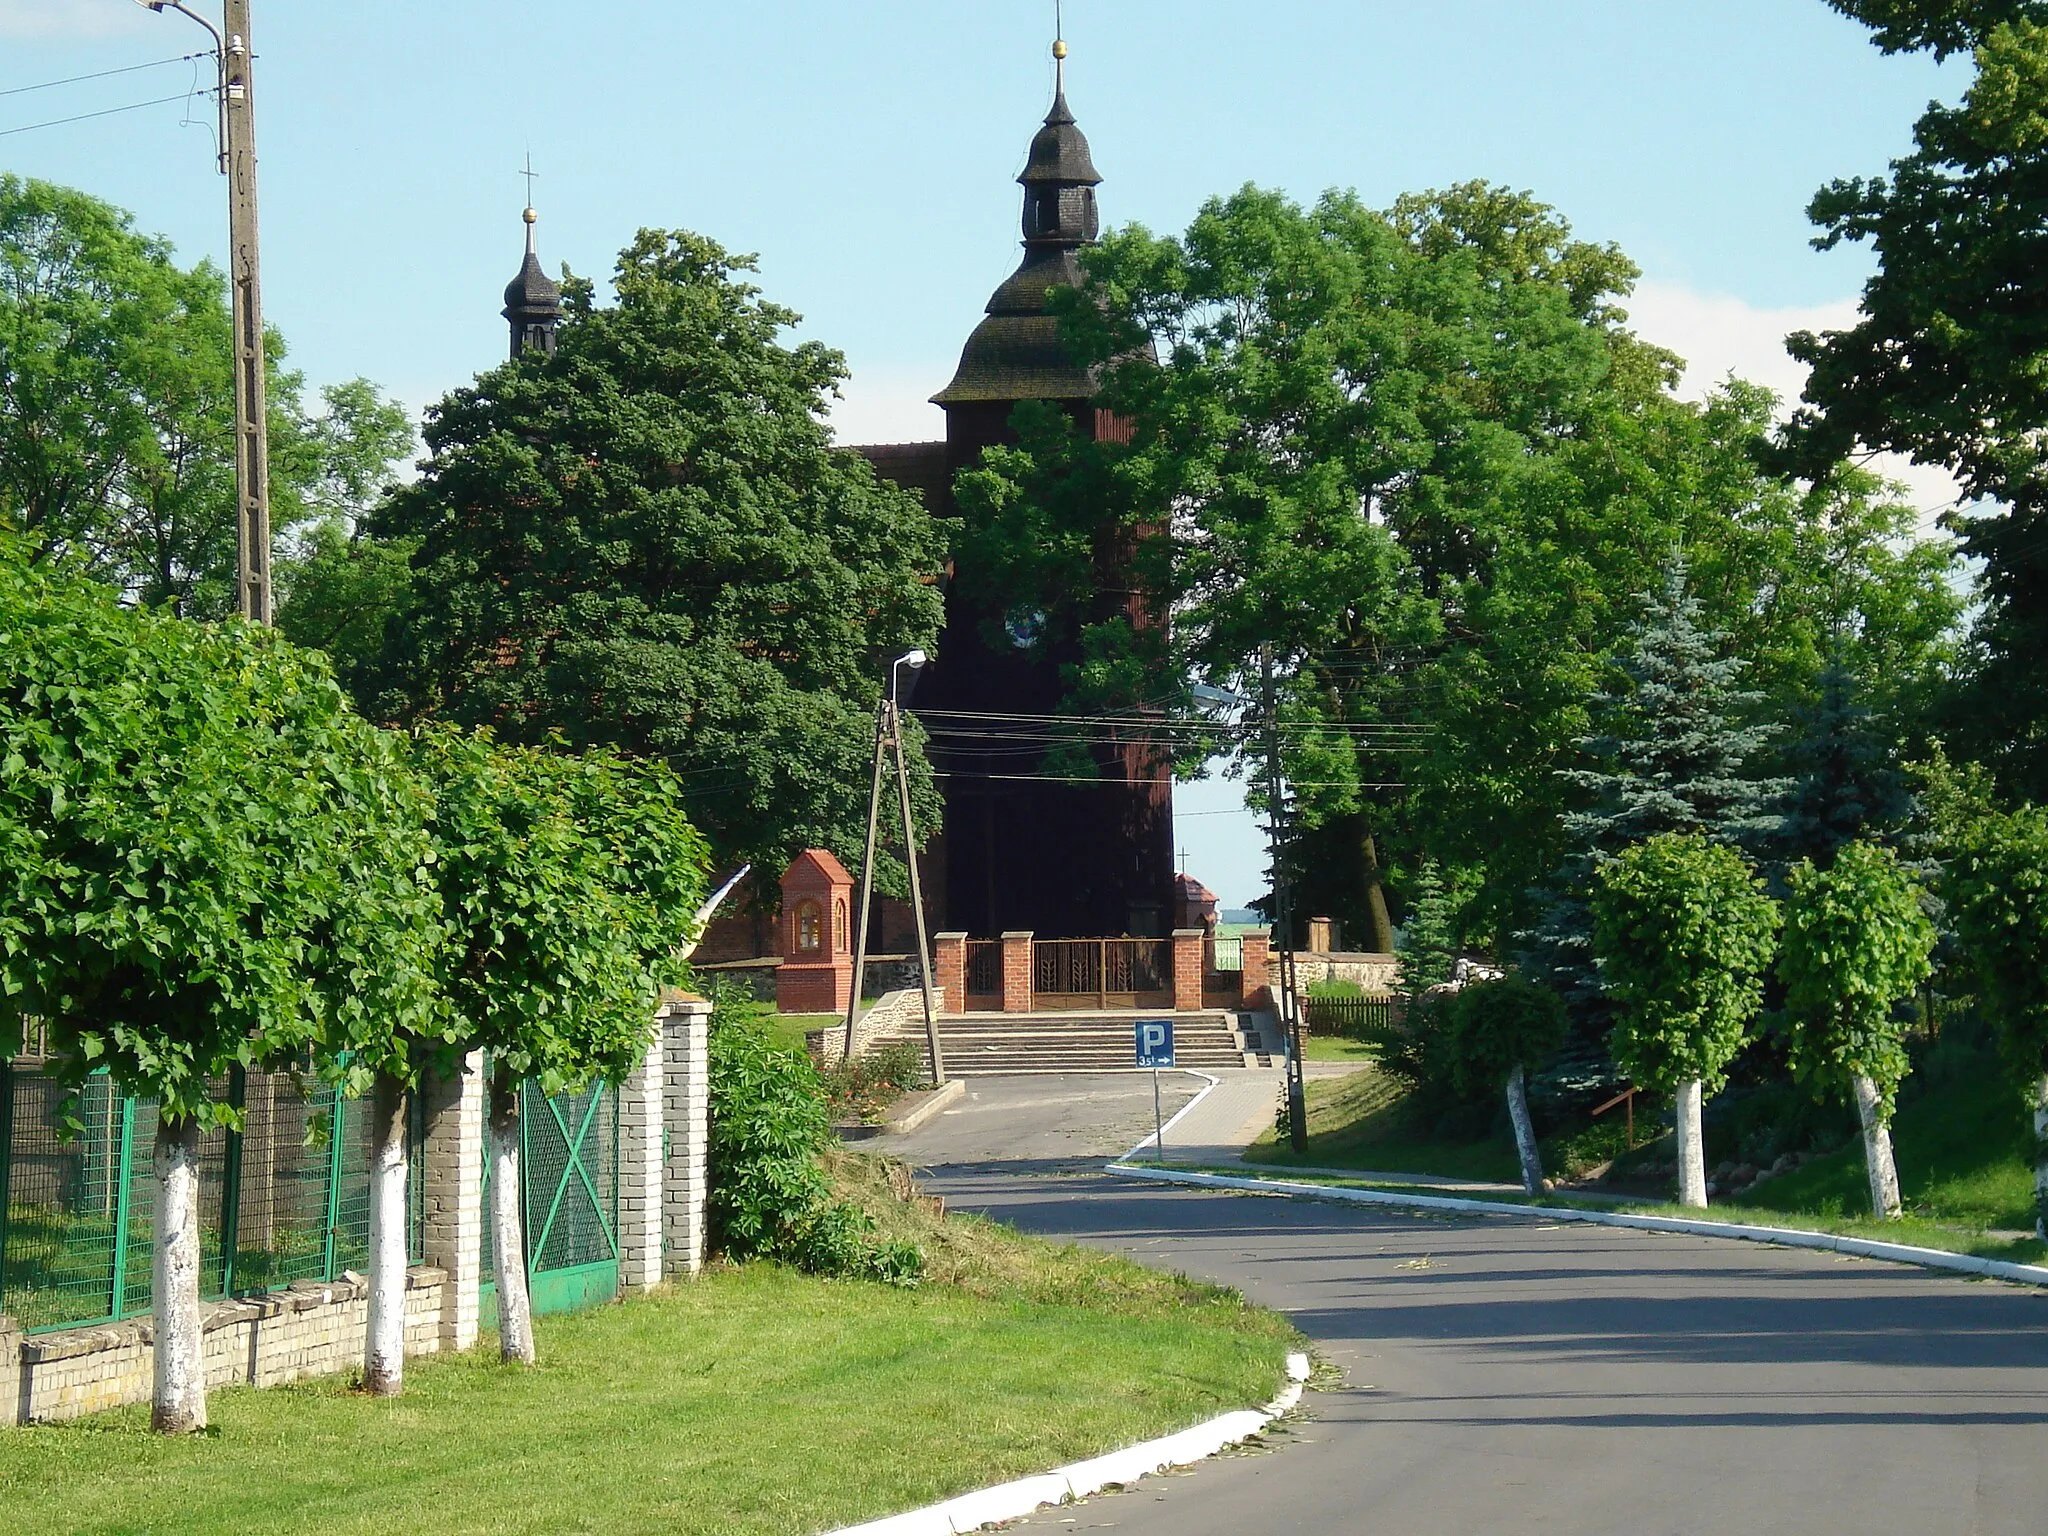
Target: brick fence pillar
1255,981
643,1111
686,1114
1016,972
453,1236
949,961
1187,967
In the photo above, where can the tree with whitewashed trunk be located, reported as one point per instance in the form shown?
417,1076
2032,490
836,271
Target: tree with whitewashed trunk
1498,1030
207,861
570,884
1857,942
1995,878
1682,934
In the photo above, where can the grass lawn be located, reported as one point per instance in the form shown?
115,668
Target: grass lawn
1963,1139
754,1400
789,1029
1337,1048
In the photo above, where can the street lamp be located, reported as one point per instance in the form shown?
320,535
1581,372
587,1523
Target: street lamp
915,660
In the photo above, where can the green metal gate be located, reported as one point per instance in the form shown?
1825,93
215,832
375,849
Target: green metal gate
569,1160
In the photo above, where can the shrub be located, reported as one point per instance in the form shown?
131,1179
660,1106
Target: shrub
1495,1026
769,1197
864,1086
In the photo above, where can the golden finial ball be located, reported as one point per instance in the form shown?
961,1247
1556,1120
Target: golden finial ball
1059,48
530,216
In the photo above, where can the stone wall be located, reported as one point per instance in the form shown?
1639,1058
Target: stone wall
895,1016
1371,972
312,1328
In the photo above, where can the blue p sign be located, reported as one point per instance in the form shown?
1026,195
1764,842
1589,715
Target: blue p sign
1155,1042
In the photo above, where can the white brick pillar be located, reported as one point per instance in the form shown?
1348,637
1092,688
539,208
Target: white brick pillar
454,1194
686,1113
642,1113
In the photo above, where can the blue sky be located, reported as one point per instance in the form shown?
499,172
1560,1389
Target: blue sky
866,151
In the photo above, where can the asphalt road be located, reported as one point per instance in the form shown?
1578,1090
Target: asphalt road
1512,1374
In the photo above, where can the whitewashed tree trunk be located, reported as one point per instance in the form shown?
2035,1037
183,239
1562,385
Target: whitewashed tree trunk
2041,1158
384,1338
178,1403
1877,1150
1525,1131
1692,1145
515,1311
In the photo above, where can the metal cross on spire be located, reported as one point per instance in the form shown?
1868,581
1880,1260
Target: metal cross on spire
531,176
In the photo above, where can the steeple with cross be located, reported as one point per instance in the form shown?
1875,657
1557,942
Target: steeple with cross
533,300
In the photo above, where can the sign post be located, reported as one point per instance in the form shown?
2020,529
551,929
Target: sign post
1155,1050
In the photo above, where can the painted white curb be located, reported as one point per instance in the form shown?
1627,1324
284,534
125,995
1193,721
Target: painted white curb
1008,1501
1784,1237
1178,1114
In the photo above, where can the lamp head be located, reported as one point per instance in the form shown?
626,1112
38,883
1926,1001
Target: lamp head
914,660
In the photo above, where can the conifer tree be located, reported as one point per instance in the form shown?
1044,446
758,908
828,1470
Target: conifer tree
1845,785
1428,948
1671,755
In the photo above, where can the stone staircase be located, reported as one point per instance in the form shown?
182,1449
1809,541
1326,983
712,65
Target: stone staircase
978,1044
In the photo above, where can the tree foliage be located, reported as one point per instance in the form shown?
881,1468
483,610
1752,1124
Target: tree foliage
1428,946
1996,883
117,409
1683,932
1944,361
1846,784
567,883
1420,451
1496,1026
1674,755
1857,942
209,859
647,540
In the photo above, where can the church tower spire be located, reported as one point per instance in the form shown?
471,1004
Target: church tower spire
1015,353
533,301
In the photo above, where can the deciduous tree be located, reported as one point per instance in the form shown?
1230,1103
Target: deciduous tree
1683,932
1500,1029
1857,943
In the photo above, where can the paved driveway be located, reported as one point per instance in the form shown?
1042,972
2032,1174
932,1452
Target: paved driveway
1512,1374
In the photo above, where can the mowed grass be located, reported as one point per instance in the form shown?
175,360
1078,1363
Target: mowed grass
1368,1120
754,1400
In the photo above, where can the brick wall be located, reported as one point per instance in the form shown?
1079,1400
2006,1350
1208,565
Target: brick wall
312,1328
950,964
1016,972
1187,967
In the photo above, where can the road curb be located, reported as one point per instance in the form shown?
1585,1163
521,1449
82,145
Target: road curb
1009,1501
1783,1237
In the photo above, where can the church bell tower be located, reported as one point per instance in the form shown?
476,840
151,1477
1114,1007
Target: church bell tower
533,301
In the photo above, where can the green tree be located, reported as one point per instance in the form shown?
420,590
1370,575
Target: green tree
1857,943
117,409
1996,883
568,883
1683,932
1944,361
1428,945
1498,1030
648,540
207,861
1674,755
1845,784
1419,451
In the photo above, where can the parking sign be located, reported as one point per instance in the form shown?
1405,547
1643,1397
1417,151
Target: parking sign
1155,1042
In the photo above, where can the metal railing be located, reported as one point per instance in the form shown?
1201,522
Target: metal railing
285,1198
1109,973
984,968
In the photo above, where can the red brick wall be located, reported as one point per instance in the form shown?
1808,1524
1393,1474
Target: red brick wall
814,988
1257,983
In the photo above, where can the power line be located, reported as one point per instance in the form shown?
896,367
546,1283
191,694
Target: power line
104,74
133,106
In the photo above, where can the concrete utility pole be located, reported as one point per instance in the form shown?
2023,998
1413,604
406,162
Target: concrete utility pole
1289,999
889,741
233,51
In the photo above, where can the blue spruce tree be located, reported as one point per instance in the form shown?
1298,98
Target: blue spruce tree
1845,784
1670,755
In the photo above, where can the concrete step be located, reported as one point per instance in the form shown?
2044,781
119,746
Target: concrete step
1078,1041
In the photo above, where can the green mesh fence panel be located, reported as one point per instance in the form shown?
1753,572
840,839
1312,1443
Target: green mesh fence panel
286,1200
571,1166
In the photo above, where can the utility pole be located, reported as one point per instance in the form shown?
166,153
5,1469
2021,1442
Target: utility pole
889,741
235,56
1283,913
252,440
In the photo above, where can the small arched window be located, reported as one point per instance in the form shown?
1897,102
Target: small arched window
810,927
839,923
